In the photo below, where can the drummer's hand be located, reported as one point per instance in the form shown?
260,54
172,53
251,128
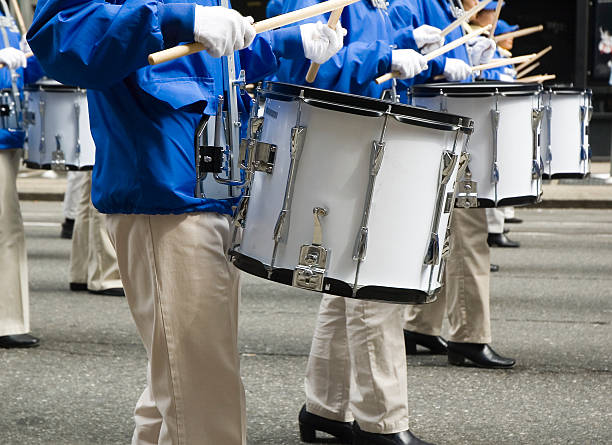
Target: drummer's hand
506,78
481,50
428,38
456,70
407,63
320,42
12,58
221,30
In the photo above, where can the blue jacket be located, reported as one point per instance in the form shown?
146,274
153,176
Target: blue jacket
410,14
365,56
143,118
14,138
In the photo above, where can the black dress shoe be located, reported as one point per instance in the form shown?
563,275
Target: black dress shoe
311,423
494,268
506,230
513,220
361,437
435,343
67,228
112,292
481,355
501,240
18,341
76,287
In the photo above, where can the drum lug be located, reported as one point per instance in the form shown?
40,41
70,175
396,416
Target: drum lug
29,118
495,114
433,250
42,107
310,271
58,160
536,118
467,194
241,212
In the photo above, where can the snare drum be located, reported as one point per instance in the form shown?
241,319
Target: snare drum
348,195
565,146
58,134
505,165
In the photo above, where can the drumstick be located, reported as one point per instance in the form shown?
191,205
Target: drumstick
539,78
527,70
311,75
264,25
518,33
438,52
503,62
500,3
27,55
19,17
465,17
538,56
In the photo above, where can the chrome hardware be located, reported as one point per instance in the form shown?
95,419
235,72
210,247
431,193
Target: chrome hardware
549,155
298,137
264,155
41,108
241,212
467,196
77,112
495,114
310,271
29,118
536,118
58,160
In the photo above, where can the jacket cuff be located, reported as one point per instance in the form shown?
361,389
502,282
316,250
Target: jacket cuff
384,63
287,42
176,22
404,39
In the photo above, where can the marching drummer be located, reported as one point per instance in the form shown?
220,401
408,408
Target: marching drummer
14,298
170,244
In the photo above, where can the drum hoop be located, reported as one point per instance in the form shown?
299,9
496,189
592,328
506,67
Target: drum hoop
484,89
366,106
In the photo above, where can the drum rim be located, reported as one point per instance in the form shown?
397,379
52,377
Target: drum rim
366,106
476,89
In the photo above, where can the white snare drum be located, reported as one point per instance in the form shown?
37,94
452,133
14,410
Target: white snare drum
565,146
58,134
505,164
349,196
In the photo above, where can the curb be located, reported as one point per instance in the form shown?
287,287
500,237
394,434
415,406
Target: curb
29,196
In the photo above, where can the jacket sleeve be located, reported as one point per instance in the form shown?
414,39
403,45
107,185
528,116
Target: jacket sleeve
95,44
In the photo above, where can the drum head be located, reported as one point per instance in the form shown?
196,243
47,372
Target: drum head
476,89
365,106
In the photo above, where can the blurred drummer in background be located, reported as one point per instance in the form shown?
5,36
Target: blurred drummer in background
171,243
14,296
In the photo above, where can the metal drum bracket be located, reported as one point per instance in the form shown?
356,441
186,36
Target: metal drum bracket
312,263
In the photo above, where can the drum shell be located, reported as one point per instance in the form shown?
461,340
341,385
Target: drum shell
333,173
515,144
60,119
564,135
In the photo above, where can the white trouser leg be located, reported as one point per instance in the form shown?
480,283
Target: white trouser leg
183,295
71,197
495,220
508,212
14,304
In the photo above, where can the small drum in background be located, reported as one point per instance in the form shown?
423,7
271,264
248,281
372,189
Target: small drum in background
564,135
505,165
349,195
58,134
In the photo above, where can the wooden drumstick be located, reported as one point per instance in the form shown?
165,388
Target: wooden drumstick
539,78
527,70
264,25
538,55
20,22
500,3
27,55
518,33
465,17
503,62
311,75
438,52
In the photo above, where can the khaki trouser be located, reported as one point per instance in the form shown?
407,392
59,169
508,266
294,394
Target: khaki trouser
495,219
465,295
14,300
92,258
183,295
74,180
357,365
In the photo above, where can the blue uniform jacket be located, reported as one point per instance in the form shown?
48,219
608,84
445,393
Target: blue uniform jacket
143,118
365,56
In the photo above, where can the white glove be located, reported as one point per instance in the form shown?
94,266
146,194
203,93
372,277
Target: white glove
481,50
427,38
407,62
320,42
12,58
506,78
456,70
222,30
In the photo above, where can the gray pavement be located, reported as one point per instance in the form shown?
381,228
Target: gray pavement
551,308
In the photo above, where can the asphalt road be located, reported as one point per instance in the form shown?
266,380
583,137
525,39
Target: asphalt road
551,308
